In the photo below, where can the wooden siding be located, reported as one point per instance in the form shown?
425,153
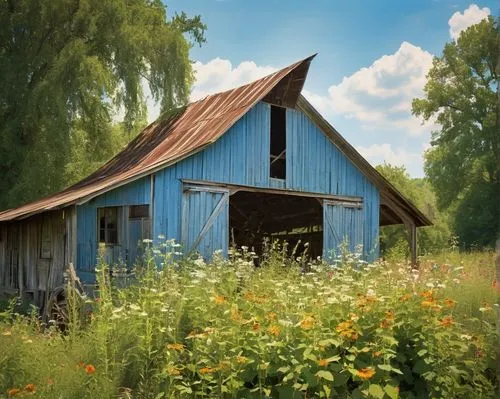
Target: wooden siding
136,193
241,156
35,252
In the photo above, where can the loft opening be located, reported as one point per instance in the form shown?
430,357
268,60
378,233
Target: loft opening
278,143
256,216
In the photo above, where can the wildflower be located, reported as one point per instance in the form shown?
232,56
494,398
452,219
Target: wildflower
344,326
274,330
256,326
323,362
485,308
307,323
13,392
175,347
429,295
241,359
30,388
447,321
81,363
449,302
386,324
405,297
89,369
235,314
207,370
220,299
377,353
365,373
173,371
271,316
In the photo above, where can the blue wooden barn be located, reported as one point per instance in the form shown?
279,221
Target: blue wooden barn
233,168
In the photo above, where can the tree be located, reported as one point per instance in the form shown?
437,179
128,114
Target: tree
463,164
68,67
431,239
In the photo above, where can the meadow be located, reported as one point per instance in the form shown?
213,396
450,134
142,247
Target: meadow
290,328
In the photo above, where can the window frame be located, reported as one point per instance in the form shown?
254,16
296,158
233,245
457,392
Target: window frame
107,230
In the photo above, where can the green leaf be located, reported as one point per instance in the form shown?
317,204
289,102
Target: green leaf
391,391
376,391
325,375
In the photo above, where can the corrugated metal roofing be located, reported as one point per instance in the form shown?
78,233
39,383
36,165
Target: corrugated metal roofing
176,136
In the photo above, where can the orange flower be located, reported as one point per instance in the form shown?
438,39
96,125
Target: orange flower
176,347
255,326
271,316
220,299
81,364
405,297
274,330
449,302
173,371
89,369
30,388
365,373
386,323
377,354
427,295
13,392
307,323
323,362
447,321
207,370
344,326
241,359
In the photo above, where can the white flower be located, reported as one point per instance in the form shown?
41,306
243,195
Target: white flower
147,241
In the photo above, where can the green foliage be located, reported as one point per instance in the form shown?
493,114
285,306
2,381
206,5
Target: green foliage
463,164
68,67
431,239
229,329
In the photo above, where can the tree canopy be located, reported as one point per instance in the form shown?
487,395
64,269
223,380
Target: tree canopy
463,164
68,68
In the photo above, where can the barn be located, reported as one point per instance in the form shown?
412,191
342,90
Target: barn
231,169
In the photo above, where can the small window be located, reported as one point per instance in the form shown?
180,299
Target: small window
278,142
108,225
46,240
139,212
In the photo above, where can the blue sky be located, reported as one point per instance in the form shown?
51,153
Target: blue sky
372,59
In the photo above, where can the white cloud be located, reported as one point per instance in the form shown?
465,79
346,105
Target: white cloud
219,75
379,153
471,16
379,96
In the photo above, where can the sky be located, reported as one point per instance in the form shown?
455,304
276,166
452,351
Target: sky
372,60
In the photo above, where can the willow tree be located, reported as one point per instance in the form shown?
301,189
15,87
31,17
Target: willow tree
463,164
68,67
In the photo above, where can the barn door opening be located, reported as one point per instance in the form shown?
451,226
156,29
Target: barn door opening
256,216
344,224
205,226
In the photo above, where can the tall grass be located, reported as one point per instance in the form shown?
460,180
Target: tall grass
289,328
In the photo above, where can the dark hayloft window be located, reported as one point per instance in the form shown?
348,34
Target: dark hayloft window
108,225
278,142
139,212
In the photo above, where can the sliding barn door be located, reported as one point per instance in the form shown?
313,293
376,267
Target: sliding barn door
205,220
343,222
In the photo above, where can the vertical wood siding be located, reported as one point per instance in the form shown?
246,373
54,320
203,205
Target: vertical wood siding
135,193
241,156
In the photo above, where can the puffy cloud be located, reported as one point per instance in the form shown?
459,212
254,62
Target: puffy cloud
379,153
379,96
471,16
219,75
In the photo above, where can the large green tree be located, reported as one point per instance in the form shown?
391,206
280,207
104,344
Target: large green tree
431,239
463,163
67,68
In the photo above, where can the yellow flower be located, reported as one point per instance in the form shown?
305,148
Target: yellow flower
176,347
344,326
271,316
307,323
274,330
173,371
241,359
365,373
447,321
323,362
207,370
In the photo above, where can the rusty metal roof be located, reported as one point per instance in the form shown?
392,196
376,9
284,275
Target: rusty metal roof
175,136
